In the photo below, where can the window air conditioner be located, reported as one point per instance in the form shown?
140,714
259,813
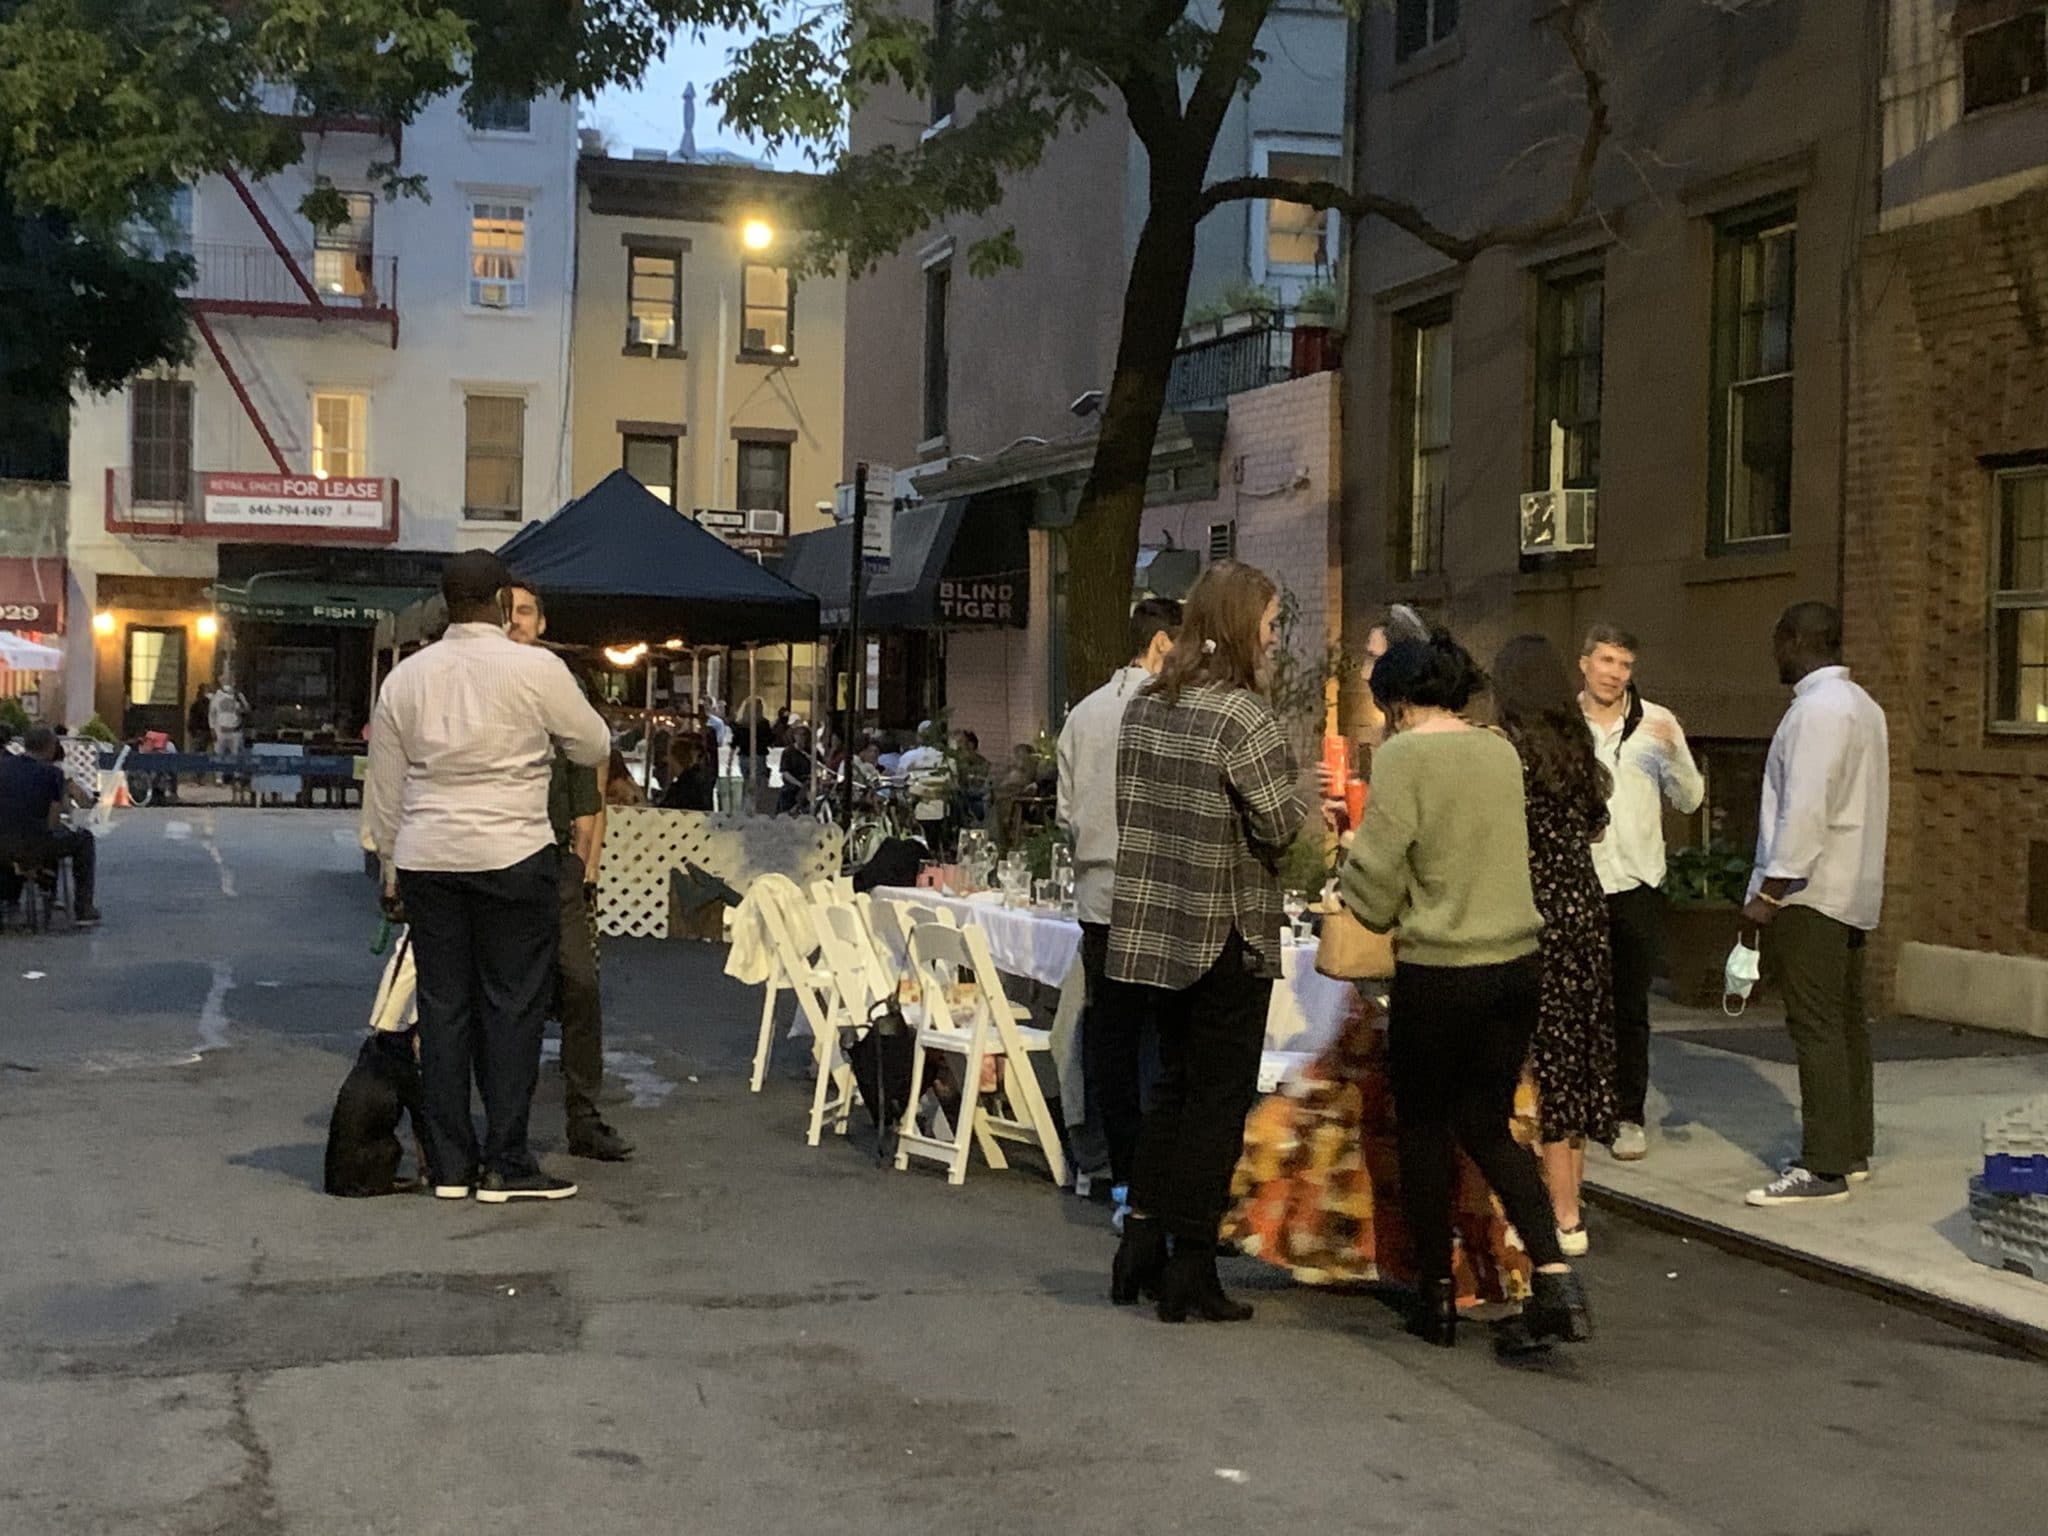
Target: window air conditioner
1558,522
765,520
754,339
494,295
653,333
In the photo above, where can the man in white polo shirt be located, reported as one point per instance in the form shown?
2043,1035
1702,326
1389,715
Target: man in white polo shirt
461,749
1817,892
1643,748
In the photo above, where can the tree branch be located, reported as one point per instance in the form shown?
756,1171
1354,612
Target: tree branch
1573,23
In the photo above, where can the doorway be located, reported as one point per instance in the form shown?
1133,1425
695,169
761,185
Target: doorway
153,684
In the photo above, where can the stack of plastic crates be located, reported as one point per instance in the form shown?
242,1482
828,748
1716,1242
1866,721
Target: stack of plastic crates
2009,1200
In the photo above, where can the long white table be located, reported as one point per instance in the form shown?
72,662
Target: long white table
1307,1011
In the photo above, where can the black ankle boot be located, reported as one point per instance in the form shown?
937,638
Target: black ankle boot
1435,1318
1190,1288
1556,1311
1140,1260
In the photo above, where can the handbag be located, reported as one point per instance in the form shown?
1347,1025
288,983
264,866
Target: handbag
1350,951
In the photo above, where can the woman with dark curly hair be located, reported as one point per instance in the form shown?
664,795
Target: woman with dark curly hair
1443,854
1566,787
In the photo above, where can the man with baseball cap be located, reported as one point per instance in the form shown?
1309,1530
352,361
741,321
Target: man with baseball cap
461,748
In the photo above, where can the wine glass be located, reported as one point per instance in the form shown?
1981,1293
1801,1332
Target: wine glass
1295,905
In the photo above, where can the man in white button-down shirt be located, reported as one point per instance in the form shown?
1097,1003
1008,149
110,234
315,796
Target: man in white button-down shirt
461,748
1644,750
1816,894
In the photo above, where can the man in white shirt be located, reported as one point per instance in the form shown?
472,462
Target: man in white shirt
928,780
1816,894
456,800
1114,1023
1644,750
226,712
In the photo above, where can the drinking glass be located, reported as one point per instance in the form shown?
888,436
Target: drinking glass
1295,904
1044,893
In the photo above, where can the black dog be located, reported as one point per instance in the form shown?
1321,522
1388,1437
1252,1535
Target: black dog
362,1137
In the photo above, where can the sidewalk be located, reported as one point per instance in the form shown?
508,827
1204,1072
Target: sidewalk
1724,1113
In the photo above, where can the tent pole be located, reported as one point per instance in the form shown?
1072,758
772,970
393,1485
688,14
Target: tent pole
647,727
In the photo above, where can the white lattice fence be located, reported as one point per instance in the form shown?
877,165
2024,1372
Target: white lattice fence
644,846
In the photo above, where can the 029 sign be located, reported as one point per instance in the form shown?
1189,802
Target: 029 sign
37,616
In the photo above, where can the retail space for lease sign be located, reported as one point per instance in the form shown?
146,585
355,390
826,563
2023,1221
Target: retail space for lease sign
294,501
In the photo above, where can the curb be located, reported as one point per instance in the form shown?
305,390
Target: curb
2023,1338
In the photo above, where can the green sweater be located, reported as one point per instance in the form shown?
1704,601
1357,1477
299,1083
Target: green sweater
1443,851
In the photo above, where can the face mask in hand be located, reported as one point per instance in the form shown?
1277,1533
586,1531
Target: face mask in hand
1739,977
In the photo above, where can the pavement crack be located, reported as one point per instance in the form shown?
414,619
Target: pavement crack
247,1506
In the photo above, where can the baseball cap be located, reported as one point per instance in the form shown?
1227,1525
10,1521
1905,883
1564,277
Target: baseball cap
474,576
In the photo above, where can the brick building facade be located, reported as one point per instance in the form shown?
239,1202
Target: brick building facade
1947,522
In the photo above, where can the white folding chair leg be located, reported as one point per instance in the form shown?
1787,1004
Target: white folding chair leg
970,1113
766,1043
991,1148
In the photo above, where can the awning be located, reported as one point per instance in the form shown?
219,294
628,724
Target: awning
286,600
960,564
32,593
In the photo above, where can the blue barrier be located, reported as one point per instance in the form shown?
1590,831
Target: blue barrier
187,764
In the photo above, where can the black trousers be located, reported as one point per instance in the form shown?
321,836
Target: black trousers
484,944
578,1007
1211,1036
1457,1038
1116,1031
1635,931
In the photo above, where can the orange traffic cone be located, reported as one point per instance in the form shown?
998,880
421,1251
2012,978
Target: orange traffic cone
121,793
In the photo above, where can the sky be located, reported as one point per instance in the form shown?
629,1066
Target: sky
651,115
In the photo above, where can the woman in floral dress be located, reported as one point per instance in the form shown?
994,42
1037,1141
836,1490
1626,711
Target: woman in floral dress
1566,789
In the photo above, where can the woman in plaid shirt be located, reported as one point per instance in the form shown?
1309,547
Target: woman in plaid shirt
1208,798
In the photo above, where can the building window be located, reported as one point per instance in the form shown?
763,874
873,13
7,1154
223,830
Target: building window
494,475
1419,23
1565,449
1752,401
497,255
768,311
340,436
2019,602
1299,238
652,461
160,440
654,298
490,112
944,95
938,363
764,477
156,667
1423,424
2006,58
342,256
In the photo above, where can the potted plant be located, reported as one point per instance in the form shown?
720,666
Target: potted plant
1247,307
1204,322
1706,887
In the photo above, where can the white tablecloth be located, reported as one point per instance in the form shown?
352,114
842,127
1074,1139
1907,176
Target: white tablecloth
1307,1011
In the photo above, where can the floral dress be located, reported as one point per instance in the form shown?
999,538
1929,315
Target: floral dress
1573,1050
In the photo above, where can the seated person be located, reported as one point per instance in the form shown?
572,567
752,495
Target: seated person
795,769
33,790
690,784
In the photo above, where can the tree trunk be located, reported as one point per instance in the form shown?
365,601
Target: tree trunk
1102,546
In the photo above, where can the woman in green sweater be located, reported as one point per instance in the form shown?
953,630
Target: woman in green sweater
1443,855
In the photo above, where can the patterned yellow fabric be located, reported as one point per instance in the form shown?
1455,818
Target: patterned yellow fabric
1317,1191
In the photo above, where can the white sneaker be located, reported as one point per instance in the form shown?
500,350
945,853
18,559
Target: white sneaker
1630,1145
1573,1241
1799,1186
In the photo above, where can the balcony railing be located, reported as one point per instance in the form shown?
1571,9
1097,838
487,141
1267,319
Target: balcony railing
1264,349
256,280
256,505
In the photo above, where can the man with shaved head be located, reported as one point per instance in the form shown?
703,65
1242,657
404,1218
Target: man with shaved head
1815,894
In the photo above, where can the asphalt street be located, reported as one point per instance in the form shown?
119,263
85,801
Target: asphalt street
737,1333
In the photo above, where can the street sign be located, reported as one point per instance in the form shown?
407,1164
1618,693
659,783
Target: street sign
879,536
722,519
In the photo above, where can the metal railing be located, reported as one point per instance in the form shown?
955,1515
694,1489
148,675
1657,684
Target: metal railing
256,275
1208,371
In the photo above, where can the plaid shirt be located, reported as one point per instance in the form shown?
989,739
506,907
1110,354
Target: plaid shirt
1207,799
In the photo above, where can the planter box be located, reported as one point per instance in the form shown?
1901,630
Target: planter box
1315,348
1697,938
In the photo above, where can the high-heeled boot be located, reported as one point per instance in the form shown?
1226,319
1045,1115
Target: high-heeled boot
1556,1311
1191,1288
1435,1318
1140,1260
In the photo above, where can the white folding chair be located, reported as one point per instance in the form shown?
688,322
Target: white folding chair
974,1027
818,996
790,964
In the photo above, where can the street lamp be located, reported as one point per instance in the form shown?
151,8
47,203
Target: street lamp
103,623
208,626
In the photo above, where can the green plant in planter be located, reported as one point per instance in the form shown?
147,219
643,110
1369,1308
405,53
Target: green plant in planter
1317,305
1249,299
14,717
1209,312
96,730
1719,871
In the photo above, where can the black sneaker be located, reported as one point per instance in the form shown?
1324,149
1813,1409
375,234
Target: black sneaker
86,917
504,1188
598,1142
461,1191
